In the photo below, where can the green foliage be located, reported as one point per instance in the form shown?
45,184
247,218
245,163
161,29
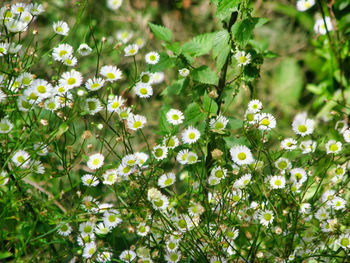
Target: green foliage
161,32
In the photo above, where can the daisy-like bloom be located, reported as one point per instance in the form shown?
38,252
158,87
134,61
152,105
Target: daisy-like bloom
5,125
19,8
93,106
90,180
95,161
112,73
341,126
36,9
340,170
171,142
160,152
346,135
15,26
152,58
320,25
219,172
157,77
241,155
298,175
166,180
255,106
184,222
62,51
115,104
104,256
266,121
140,42
173,256
192,158
26,79
308,146
158,200
127,256
333,146
196,209
184,72
172,244
3,48
242,58
277,182
21,159
111,218
175,117
305,208
182,156
141,158
3,178
37,167
328,196
250,117
71,79
142,229
130,160
344,241
219,123
303,5
94,83
26,17
266,217
322,214
338,203
212,180
64,229
114,4
143,91
61,28
303,126
125,170
131,50
89,203
84,49
89,250
69,61
124,35
283,164
289,144
243,181
101,229
136,122
41,88
190,135
41,149
86,228
110,177
146,78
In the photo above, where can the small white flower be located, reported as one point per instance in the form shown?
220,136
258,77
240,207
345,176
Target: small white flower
64,229
112,73
102,229
173,256
242,58
283,164
266,121
241,155
5,126
124,35
190,135
114,4
95,161
127,256
90,180
266,217
303,5
243,181
157,77
143,91
3,178
171,142
115,104
338,203
175,117
89,250
131,50
86,228
152,58
160,152
308,146
277,182
182,156
219,172
71,79
320,25
110,177
298,175
333,146
93,105
289,144
69,61
111,218
192,157
303,126
62,51
21,159
184,72
166,180
255,106
136,122
346,135
61,28
94,84
250,117
84,50
219,123
142,229
344,241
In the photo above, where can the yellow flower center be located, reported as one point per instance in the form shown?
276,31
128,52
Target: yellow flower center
242,156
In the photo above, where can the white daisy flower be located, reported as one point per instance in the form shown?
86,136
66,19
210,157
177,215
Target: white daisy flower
5,125
298,175
283,164
136,122
125,170
61,28
171,244
190,135
84,49
36,9
3,49
308,146
69,61
115,103
37,167
140,42
340,170
89,250
141,158
62,51
241,155
143,91
21,159
64,229
277,182
175,117
95,161
303,5
303,126
41,88
219,123
160,152
89,203
196,209
127,255
341,126
158,77
160,203
192,158
289,144
338,203
344,241
104,256
250,117
111,218
19,8
90,180
114,4
346,135
3,178
184,72
173,256
255,106
26,79
328,196
152,58
15,26
94,84
142,229
182,156
333,146
102,229
110,177
266,121
124,35
243,181
171,142
86,228
71,79
26,17
93,106
320,25
242,58
219,172
322,214
166,180
146,78
131,50
124,112
112,73
266,217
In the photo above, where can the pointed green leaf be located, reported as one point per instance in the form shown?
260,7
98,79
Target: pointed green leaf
205,75
161,32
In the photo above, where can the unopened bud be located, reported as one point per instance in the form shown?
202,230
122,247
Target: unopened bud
86,135
216,154
213,94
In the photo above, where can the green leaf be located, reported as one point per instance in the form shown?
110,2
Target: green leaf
199,45
193,114
209,105
165,62
225,8
234,123
161,32
163,123
243,30
5,254
222,57
175,88
205,75
232,141
221,48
